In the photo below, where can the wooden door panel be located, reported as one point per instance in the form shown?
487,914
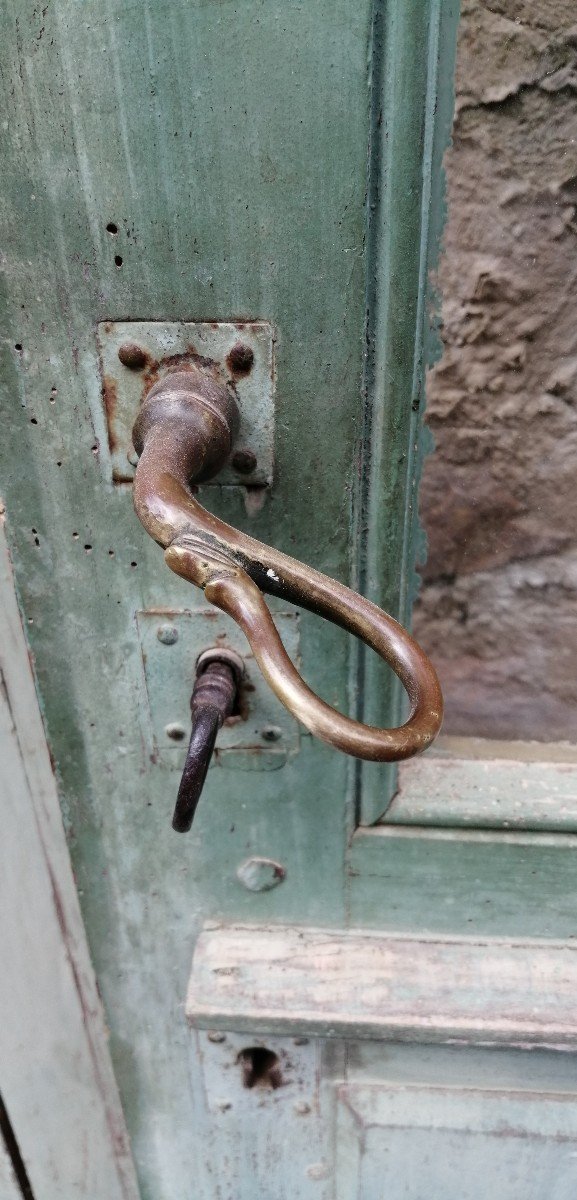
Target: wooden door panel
460,1145
176,161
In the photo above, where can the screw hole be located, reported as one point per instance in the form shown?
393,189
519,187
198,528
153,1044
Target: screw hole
260,1068
18,346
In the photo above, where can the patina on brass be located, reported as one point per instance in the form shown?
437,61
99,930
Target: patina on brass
184,434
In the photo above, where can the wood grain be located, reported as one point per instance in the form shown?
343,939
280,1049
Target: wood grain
55,1072
361,985
487,793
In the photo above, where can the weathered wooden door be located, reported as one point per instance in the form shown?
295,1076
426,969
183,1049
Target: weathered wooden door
373,967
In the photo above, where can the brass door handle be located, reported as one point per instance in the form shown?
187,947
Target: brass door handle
184,434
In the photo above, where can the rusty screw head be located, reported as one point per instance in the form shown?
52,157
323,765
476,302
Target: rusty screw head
244,461
132,356
241,358
167,634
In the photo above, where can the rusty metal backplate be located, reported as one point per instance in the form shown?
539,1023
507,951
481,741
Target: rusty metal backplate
260,737
241,353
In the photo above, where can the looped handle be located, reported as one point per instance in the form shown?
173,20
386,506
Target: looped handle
187,422
232,590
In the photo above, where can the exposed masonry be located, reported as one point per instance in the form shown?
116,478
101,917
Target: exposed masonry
498,609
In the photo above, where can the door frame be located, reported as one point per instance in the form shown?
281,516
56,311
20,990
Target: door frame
56,1076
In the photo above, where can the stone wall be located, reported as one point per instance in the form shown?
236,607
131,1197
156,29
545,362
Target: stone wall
498,608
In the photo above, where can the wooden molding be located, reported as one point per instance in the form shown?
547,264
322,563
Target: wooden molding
494,792
351,984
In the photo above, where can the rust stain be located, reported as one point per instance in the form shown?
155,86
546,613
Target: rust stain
240,359
110,401
187,358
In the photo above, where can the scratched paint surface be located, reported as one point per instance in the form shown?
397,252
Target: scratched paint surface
195,161
182,161
452,1144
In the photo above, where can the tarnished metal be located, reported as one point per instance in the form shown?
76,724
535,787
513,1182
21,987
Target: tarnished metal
184,433
134,355
241,358
261,736
212,701
244,461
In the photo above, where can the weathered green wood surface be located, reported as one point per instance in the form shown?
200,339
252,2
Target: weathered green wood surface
411,114
369,984
490,792
190,161
207,161
56,1077
464,882
452,1144
228,145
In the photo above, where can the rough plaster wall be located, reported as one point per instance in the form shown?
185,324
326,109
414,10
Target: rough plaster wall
498,609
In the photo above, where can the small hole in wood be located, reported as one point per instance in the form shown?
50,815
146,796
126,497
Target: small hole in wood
112,228
118,260
260,1068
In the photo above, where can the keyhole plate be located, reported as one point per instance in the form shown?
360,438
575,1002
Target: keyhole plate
261,737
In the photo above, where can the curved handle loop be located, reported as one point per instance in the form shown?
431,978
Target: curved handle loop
185,423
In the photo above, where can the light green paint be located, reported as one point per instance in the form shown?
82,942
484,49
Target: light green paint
229,144
412,104
464,882
492,792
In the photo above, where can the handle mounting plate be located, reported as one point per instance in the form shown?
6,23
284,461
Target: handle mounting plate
241,353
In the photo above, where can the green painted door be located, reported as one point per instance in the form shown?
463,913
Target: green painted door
373,1007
